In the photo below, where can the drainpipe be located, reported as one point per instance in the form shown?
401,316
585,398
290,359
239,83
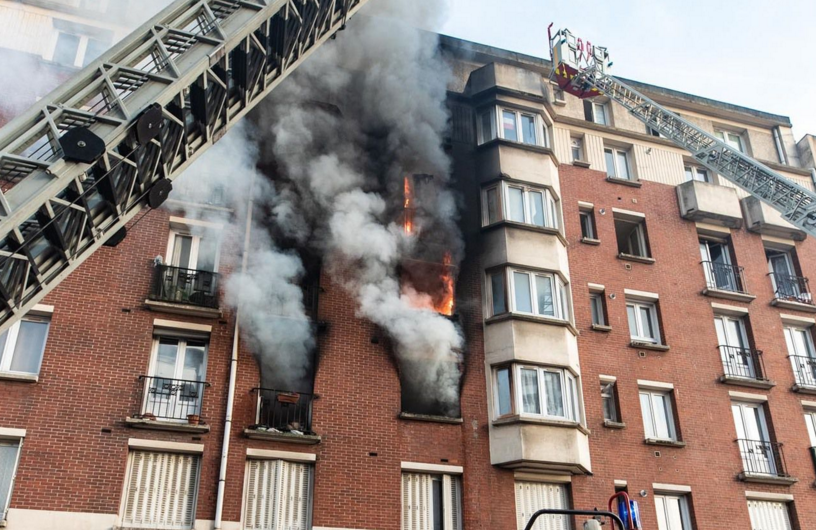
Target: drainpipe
233,374
813,177
780,149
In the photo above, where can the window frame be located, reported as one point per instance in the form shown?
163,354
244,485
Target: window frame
561,301
639,231
590,232
449,503
570,392
177,230
670,414
594,106
616,153
79,60
310,501
577,145
609,392
654,317
683,504
694,171
496,113
15,466
725,136
810,423
597,304
550,204
12,338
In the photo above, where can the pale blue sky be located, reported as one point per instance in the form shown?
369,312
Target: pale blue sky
755,53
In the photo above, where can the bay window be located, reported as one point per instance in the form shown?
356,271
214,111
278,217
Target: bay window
535,293
537,392
513,125
519,203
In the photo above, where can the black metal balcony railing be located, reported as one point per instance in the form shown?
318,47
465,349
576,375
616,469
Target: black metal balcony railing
284,411
724,277
793,288
185,286
171,399
804,370
742,362
762,458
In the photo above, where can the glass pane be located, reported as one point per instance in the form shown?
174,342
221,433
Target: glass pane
536,208
3,339
544,295
29,348
492,205
673,513
497,288
166,358
509,126
596,304
487,126
503,391
635,248
646,409
181,251
599,112
515,196
661,419
689,174
810,419
630,312
555,394
194,356
521,290
8,460
528,129
530,399
576,145
95,49
437,503
646,322
702,175
66,50
586,225
207,252
610,164
623,165
608,397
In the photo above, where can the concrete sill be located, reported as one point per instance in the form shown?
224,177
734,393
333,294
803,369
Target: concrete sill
648,346
161,425
796,306
604,329
747,381
533,318
625,182
516,419
767,479
302,439
614,424
518,145
23,378
804,389
638,259
729,295
590,241
664,443
183,309
581,163
428,417
532,228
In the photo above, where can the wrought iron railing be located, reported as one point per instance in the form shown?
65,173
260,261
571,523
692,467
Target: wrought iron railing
793,288
724,277
762,458
742,362
284,411
185,286
804,370
171,399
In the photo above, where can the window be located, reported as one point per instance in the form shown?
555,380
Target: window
175,385
672,512
609,398
587,218
534,496
596,112
696,173
559,98
617,164
498,293
769,515
537,392
630,233
734,347
782,266
810,421
643,323
658,419
654,132
577,146
197,251
161,490
521,204
537,293
717,266
94,49
67,47
431,502
515,126
731,139
75,49
278,495
753,438
22,346
802,355
9,457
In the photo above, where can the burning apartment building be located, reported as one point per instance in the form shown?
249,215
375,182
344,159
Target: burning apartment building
419,288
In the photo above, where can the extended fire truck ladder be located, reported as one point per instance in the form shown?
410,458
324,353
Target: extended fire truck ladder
581,70
81,163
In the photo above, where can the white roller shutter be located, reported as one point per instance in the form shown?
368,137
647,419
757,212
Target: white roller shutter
453,502
767,515
278,495
534,496
416,501
161,491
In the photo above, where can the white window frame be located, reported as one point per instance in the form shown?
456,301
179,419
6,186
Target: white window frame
695,171
178,369
661,506
194,247
604,110
640,336
810,422
577,147
589,215
640,234
731,139
617,152
491,294
794,350
561,304
551,205
596,306
496,115
569,393
13,332
609,391
82,47
669,410
4,503
278,492
452,494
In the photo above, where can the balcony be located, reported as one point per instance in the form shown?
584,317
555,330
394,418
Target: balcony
170,404
743,366
792,292
724,280
763,462
283,416
804,371
709,203
763,219
184,291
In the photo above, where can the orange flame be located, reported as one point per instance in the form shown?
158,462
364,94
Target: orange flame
445,305
408,215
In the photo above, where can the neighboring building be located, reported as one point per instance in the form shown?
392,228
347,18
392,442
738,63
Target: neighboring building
633,322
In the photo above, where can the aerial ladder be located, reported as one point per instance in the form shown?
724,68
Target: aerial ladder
81,163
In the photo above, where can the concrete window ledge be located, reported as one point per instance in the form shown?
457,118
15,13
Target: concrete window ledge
746,381
23,378
648,346
614,424
625,182
428,417
541,319
664,443
636,259
516,419
581,163
302,439
529,227
767,479
590,241
729,295
803,389
183,309
159,425
796,306
604,329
